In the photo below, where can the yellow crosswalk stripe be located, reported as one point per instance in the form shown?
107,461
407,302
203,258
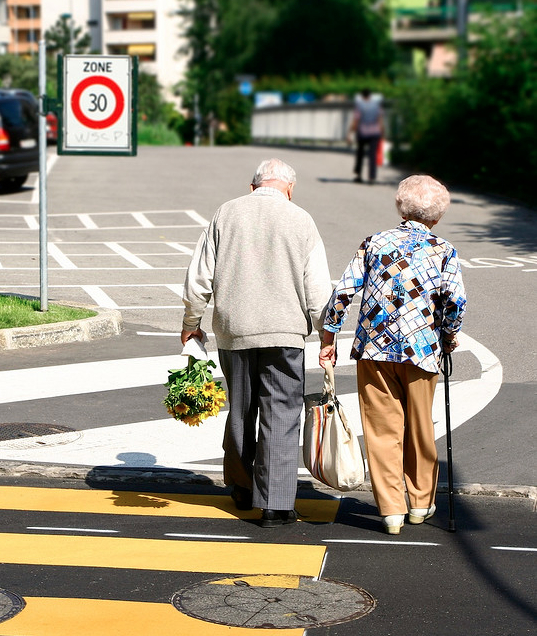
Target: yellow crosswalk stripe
91,617
117,502
161,554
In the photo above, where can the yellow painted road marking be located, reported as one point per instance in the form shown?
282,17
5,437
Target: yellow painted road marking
119,502
285,581
160,554
90,617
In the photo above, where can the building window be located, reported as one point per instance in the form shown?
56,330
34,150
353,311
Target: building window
133,21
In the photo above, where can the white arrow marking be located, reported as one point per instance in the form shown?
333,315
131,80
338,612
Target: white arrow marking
167,443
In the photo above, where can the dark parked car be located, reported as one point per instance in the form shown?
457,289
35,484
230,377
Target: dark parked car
52,128
19,137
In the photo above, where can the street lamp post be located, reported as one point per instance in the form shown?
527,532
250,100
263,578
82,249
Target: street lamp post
462,26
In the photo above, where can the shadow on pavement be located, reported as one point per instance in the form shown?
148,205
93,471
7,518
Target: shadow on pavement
471,520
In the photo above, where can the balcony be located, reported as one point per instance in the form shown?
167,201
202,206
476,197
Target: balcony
26,24
439,24
24,3
22,48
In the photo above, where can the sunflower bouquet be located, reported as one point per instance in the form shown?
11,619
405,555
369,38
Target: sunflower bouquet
193,395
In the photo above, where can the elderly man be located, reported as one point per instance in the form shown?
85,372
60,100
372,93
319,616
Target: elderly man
412,307
263,262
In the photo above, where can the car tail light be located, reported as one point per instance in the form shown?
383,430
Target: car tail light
4,140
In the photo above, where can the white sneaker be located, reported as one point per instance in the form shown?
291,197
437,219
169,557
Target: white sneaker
393,523
418,515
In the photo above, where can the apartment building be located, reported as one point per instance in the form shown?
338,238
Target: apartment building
152,30
20,26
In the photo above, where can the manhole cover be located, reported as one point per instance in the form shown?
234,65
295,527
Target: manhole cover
23,435
18,430
274,602
10,605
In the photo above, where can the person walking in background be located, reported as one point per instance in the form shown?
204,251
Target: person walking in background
368,127
264,263
411,310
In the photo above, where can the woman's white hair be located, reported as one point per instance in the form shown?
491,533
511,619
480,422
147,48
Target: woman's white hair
421,198
273,170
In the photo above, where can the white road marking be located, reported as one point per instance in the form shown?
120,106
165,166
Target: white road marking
51,160
176,289
51,529
142,219
128,256
60,257
512,548
88,222
89,269
117,227
181,248
99,297
380,542
168,443
197,217
205,536
31,222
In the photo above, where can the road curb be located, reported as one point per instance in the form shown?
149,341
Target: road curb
174,476
107,323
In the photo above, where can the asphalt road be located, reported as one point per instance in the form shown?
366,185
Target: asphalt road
131,549
121,230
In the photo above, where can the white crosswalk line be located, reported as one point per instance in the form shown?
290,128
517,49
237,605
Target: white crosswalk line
128,256
100,298
60,257
88,222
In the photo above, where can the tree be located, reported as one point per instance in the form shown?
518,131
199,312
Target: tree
227,38
150,102
480,127
197,90
324,36
18,72
64,36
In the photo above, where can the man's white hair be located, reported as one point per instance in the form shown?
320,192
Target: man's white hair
273,170
422,198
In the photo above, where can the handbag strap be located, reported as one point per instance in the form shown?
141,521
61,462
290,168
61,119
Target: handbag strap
330,389
329,379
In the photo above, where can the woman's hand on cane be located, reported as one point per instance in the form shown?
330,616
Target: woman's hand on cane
449,343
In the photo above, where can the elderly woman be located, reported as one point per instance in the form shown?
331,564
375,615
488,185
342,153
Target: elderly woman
412,306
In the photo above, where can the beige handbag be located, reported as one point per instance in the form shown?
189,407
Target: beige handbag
331,450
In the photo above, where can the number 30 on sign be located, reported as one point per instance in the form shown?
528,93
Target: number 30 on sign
98,105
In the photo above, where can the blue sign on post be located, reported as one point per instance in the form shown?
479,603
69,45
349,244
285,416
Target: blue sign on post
245,88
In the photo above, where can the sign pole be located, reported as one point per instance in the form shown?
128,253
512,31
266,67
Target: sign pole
43,241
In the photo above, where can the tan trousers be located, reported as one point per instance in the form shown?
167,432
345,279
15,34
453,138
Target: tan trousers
396,407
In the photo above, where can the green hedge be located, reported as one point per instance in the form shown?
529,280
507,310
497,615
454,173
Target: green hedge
480,127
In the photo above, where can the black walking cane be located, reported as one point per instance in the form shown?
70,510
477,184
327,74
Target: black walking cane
447,370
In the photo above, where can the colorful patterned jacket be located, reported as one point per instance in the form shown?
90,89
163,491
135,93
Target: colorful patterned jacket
412,293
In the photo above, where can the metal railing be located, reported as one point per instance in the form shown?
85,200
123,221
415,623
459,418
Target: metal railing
313,123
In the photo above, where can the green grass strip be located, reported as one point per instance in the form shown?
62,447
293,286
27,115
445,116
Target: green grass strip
23,312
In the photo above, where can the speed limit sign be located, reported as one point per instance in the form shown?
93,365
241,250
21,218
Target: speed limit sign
98,105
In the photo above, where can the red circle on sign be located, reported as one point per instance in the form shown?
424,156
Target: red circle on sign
97,123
